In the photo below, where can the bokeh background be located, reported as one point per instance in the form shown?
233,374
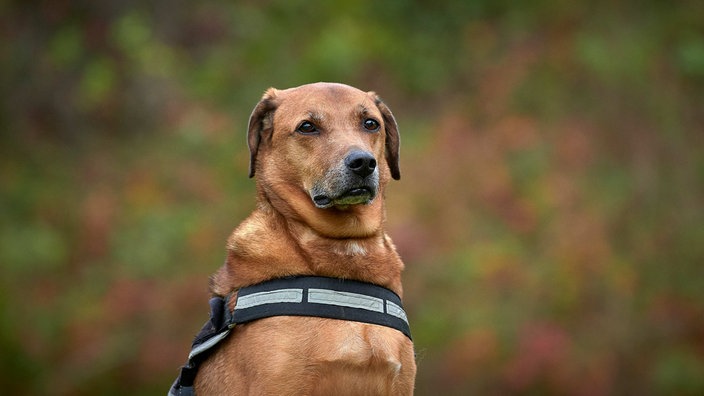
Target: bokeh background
549,211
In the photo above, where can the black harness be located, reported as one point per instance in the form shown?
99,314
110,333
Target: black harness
293,296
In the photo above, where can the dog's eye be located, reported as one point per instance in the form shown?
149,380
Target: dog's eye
371,125
307,127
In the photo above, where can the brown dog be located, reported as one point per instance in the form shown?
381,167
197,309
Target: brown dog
322,154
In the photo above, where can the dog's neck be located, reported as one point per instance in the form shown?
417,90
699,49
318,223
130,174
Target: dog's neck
269,245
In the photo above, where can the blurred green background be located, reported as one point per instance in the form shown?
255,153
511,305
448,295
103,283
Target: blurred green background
549,214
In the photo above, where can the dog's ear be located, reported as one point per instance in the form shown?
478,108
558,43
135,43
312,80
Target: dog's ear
261,123
393,140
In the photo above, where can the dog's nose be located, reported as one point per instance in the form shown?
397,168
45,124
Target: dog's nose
361,163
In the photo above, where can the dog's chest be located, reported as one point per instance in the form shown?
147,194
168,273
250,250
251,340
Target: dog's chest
359,344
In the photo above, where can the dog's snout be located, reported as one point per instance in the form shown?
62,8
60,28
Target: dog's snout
361,163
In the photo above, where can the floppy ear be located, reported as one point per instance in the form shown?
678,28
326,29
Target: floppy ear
393,140
261,121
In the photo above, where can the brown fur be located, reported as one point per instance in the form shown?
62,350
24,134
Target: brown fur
288,234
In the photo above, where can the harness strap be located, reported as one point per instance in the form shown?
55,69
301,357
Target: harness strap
313,296
322,297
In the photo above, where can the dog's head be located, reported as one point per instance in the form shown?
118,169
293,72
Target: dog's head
333,143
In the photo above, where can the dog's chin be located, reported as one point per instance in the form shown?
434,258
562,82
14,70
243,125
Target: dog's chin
355,196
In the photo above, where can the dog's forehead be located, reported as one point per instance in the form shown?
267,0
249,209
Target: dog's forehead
325,98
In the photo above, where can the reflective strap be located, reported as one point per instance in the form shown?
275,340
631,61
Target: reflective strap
320,297
395,310
211,342
270,297
345,299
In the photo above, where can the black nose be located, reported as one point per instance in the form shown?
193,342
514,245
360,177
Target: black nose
361,163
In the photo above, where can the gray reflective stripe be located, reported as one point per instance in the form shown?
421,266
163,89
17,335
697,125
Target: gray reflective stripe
270,297
345,299
208,344
395,310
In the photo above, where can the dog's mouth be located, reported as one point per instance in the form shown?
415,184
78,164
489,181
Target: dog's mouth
354,196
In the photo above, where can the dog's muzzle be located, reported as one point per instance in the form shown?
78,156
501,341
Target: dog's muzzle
354,181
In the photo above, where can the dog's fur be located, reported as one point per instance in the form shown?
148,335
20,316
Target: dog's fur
314,216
